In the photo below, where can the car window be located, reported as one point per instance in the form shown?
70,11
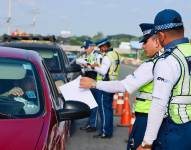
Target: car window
50,56
19,88
52,86
71,56
65,59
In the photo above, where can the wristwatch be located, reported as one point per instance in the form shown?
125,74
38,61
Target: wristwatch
145,145
93,85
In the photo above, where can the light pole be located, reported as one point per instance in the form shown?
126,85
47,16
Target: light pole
35,12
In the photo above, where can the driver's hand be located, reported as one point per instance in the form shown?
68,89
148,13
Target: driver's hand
16,91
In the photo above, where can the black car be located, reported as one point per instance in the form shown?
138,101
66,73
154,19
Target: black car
54,57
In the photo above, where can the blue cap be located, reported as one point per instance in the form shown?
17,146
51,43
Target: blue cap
148,31
102,42
167,19
87,44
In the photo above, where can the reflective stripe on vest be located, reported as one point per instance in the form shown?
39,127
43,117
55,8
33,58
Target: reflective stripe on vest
180,103
144,96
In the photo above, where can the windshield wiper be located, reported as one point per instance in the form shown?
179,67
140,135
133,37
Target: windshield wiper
7,116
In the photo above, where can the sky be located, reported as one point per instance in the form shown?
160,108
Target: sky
88,17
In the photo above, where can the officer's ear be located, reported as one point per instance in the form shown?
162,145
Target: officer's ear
161,37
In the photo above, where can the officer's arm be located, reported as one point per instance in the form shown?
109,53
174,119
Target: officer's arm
166,74
103,69
81,61
141,76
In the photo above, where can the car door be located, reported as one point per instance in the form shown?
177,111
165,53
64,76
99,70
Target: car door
59,132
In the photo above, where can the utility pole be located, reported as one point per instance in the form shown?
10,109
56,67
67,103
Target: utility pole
33,24
35,12
8,21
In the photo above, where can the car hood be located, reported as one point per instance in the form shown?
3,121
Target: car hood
21,134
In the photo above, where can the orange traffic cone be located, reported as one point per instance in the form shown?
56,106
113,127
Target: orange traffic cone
119,108
114,104
126,114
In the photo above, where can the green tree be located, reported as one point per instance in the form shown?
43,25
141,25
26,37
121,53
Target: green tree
98,36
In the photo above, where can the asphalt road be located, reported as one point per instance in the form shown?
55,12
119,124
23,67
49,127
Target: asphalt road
81,140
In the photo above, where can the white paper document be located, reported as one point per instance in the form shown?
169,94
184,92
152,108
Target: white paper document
71,91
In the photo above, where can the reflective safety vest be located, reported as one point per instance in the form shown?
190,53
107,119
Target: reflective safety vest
113,71
144,95
95,58
91,59
179,108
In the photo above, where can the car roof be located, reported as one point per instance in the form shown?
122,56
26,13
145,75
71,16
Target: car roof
50,45
17,53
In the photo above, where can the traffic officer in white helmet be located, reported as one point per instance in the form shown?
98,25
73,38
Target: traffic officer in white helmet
172,88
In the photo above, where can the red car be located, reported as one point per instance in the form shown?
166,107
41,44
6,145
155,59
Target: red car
32,115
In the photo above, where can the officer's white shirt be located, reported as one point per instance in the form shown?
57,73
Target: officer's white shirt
131,83
105,65
81,60
166,73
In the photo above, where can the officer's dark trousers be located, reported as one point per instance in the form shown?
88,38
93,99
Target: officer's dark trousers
106,112
138,131
93,119
173,136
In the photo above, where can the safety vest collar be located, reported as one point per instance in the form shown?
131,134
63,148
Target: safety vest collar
176,42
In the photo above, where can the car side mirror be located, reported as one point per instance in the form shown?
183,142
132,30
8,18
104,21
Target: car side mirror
73,110
74,68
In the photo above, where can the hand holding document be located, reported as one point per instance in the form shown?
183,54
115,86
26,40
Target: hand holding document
72,91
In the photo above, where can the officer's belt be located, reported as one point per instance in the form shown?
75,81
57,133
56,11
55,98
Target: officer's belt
181,100
146,96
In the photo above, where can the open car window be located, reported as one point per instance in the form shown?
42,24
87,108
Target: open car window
19,88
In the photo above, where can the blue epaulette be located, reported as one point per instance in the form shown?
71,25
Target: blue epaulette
164,55
167,52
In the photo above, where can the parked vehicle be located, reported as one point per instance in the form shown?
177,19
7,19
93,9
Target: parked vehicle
71,56
34,119
54,56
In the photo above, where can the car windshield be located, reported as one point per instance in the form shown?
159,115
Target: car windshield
50,57
19,95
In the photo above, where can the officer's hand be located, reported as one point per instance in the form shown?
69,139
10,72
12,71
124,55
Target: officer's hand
86,82
16,91
94,65
140,148
85,65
